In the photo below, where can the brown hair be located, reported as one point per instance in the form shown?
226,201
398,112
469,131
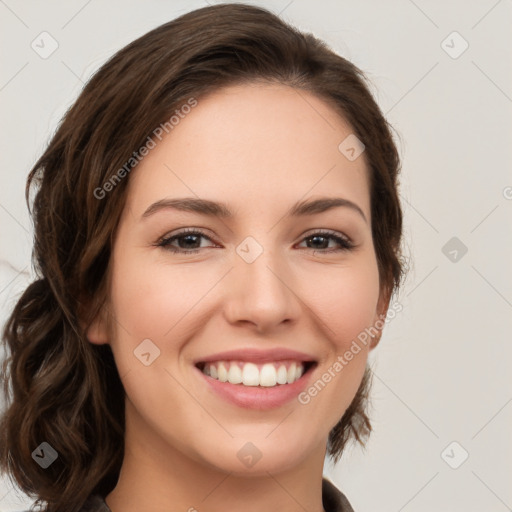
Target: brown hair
66,391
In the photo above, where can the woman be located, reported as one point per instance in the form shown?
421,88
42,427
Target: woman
217,234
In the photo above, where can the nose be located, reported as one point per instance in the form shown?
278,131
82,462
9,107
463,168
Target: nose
262,293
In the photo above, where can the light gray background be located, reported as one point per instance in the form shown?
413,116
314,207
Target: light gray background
442,367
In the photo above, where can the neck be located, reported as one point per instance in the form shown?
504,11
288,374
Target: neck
157,476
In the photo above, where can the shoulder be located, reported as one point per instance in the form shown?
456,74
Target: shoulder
333,499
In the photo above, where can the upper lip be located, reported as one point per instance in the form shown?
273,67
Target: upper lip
257,356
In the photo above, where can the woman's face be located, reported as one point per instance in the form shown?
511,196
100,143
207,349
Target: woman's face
259,280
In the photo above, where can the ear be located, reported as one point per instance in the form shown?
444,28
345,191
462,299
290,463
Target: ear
380,316
96,330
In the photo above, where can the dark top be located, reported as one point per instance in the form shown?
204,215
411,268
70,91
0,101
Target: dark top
333,500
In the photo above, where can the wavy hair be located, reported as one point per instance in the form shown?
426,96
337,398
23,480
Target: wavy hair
60,388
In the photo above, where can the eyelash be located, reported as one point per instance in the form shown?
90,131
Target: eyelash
346,245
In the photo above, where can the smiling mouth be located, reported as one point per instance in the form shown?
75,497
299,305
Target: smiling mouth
271,374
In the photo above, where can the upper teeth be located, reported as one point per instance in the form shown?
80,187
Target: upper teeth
250,374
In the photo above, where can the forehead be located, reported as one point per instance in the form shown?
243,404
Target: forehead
250,143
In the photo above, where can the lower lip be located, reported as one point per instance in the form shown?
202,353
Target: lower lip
258,397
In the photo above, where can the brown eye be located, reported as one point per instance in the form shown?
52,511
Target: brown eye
319,240
187,240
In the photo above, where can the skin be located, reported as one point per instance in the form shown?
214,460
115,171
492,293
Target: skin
259,149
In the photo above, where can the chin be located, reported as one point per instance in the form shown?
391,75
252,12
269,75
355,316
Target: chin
256,456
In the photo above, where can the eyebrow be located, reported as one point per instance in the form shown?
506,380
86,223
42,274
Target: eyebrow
221,210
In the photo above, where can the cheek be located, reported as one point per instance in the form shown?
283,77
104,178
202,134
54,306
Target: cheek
158,303
346,300
149,299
